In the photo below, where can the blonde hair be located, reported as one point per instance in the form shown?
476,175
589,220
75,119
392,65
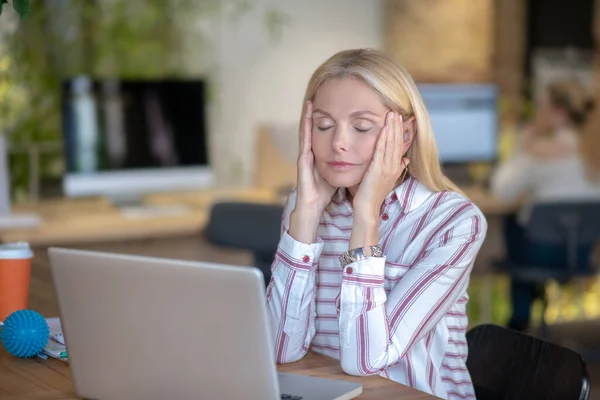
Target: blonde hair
573,98
400,94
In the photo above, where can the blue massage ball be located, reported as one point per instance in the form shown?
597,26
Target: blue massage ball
25,333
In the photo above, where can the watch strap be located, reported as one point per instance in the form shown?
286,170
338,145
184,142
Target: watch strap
360,253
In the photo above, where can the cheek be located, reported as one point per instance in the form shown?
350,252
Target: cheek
320,145
366,147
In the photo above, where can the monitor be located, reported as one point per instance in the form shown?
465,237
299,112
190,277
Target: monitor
464,119
125,138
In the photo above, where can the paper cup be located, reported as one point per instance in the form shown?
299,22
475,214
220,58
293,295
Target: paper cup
15,274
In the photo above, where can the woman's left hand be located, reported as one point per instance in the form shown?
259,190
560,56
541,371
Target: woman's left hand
384,171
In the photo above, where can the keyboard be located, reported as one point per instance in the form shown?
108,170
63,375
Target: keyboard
290,397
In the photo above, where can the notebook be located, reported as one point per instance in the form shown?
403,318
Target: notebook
56,344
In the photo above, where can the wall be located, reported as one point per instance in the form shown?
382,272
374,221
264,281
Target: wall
442,40
259,80
510,41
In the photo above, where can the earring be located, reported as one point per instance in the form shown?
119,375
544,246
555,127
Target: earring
404,173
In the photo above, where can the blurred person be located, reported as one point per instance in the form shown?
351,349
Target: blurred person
553,163
377,244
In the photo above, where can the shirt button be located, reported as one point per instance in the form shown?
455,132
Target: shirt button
385,217
349,270
394,197
305,259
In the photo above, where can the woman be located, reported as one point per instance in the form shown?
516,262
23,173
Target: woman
377,245
552,164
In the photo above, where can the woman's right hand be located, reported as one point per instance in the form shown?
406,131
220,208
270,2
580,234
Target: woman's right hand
314,193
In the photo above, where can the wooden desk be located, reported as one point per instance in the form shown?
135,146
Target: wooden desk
36,379
74,221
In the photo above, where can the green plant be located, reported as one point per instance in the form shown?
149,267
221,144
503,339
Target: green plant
22,7
98,38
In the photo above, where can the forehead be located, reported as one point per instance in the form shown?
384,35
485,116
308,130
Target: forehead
345,95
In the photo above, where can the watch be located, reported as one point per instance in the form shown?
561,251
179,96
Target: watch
359,254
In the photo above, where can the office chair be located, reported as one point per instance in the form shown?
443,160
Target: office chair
247,226
573,225
506,364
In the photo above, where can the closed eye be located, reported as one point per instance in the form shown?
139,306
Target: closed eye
362,130
324,128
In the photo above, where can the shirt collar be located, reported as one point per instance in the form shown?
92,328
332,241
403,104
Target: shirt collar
410,194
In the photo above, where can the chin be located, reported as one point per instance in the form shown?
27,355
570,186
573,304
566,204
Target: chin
343,180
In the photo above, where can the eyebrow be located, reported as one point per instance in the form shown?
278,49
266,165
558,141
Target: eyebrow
353,114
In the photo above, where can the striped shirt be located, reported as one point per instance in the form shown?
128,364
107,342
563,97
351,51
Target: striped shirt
403,315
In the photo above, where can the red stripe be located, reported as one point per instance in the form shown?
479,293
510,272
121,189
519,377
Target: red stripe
426,280
455,369
411,185
281,336
338,214
327,333
328,317
363,337
409,372
293,263
461,395
429,367
390,264
426,217
456,314
331,224
444,298
363,279
463,382
337,239
385,243
456,355
325,347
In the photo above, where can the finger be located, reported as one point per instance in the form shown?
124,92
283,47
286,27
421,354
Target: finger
382,140
307,131
391,140
399,137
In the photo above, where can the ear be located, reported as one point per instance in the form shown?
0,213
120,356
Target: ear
410,131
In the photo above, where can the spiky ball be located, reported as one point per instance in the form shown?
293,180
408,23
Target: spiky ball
25,333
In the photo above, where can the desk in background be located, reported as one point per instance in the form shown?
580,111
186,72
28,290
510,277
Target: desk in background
73,221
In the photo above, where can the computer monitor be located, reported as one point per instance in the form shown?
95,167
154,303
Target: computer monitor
127,138
464,119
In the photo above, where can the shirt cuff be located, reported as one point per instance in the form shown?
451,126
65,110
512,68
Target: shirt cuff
367,272
297,255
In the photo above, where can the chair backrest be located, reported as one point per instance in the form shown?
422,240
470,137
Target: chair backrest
573,224
505,364
249,226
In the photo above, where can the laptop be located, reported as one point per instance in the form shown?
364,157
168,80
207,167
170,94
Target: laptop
150,328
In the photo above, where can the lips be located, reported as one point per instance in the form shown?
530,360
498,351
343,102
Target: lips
341,165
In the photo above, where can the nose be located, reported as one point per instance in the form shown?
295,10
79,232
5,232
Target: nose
341,139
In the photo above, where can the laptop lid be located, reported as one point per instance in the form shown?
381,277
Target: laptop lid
148,328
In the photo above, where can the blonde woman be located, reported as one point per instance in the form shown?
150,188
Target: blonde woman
377,245
557,160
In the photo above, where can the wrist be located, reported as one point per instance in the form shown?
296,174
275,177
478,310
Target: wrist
366,216
364,232
311,213
304,224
